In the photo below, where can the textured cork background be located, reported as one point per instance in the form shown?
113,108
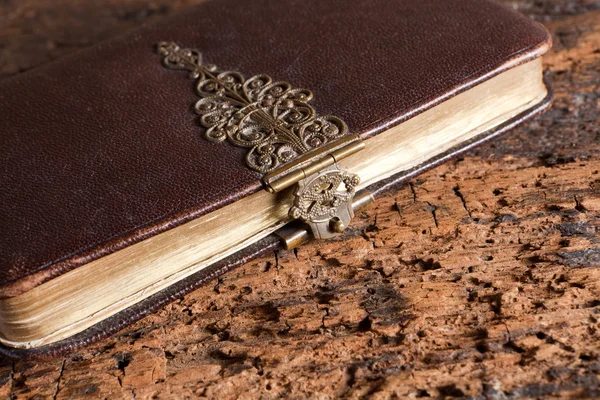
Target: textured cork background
480,279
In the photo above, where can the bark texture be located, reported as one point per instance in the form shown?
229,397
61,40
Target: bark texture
479,279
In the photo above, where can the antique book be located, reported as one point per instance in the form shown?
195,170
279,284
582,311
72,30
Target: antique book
139,169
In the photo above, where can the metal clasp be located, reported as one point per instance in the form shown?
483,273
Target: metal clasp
298,232
325,191
324,201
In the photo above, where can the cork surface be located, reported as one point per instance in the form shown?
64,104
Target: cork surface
479,279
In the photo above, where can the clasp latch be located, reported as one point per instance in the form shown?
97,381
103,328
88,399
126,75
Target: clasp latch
324,193
324,201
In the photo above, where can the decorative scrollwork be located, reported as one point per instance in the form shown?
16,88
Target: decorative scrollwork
320,198
324,201
271,118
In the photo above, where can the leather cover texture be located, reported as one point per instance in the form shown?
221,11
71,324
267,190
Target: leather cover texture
102,149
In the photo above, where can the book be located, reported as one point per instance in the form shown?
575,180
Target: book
139,169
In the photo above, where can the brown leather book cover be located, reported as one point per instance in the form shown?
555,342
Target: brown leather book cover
107,148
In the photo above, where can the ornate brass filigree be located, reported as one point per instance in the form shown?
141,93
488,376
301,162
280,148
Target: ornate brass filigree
288,141
271,118
324,201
